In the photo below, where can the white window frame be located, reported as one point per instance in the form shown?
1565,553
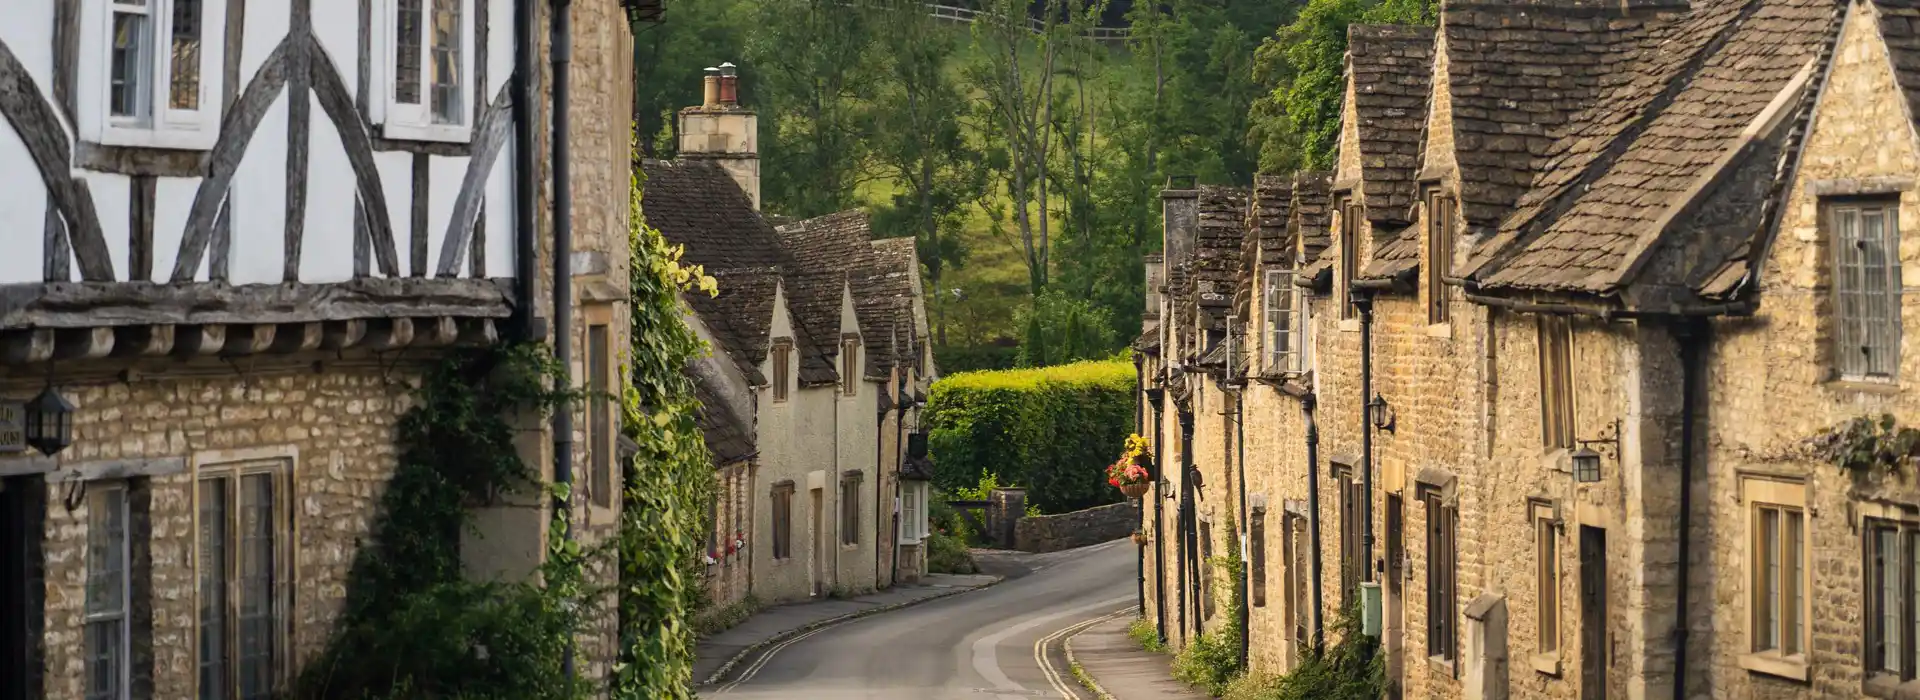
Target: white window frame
414,122
913,512
164,126
1281,305
122,615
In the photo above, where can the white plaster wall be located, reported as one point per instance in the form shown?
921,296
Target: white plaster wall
499,47
396,177
173,201
326,251
23,209
795,439
499,216
265,29
110,201
28,32
444,175
259,199
337,26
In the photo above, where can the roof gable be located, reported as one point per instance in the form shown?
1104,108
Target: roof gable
1389,68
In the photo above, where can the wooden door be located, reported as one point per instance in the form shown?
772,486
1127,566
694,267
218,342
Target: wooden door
819,554
21,529
1393,636
1593,613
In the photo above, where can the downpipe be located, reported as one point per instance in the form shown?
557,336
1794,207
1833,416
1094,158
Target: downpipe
1364,302
525,251
1181,527
1313,510
1695,337
1245,613
562,41
1191,512
1159,519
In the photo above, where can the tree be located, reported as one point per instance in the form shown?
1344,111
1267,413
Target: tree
1014,75
813,61
1298,123
668,60
918,141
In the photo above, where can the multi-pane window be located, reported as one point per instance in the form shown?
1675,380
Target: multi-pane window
430,89
108,562
1778,546
244,576
782,367
1353,552
1442,521
1866,288
152,72
1892,573
782,512
600,439
1440,209
1257,557
850,508
1556,381
909,514
1281,355
1349,256
1299,575
850,365
1546,553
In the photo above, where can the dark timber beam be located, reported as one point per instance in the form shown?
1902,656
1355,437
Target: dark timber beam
142,341
82,343
86,305
26,346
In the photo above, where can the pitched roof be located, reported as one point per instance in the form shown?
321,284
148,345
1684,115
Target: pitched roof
836,250
1310,212
1685,119
1900,28
1391,67
1395,258
896,266
697,205
1265,241
1216,257
728,434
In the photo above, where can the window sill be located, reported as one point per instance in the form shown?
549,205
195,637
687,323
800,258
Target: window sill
1440,330
1441,665
1862,386
1350,325
1548,664
171,138
438,133
1789,667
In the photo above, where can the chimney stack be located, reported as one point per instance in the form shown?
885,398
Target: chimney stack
722,131
1180,218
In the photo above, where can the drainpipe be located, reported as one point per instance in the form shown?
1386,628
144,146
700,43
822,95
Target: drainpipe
899,465
1246,575
1189,525
562,42
879,486
1159,517
1180,519
524,253
1140,550
1364,302
1313,506
1694,336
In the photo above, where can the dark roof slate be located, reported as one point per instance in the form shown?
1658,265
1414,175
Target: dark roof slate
1216,259
729,435
836,250
1900,28
1396,257
1310,213
1391,67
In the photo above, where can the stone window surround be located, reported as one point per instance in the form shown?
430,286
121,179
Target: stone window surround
851,369
284,463
1439,246
850,508
1437,490
1544,515
780,353
1557,408
1882,685
1256,553
1347,264
602,440
1862,194
1779,490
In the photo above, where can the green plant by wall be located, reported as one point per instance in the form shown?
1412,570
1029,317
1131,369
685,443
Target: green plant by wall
1212,660
1051,428
1867,445
412,627
1351,669
1146,634
669,481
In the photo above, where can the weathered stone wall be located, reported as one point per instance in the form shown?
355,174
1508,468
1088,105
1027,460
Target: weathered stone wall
728,578
1771,383
1052,533
333,434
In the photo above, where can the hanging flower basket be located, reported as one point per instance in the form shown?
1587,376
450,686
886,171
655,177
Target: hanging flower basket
1133,472
1139,538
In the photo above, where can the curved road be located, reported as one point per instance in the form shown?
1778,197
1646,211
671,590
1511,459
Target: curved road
981,645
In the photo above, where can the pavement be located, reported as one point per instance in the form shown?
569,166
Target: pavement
1004,640
1120,669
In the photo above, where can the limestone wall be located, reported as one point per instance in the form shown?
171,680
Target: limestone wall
1081,528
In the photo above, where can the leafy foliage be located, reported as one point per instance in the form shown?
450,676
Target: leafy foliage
1352,669
1865,445
669,481
1146,634
1298,123
1052,429
1212,660
1062,329
412,627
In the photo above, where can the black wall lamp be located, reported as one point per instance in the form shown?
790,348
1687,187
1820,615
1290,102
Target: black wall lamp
644,11
48,422
1380,414
1586,462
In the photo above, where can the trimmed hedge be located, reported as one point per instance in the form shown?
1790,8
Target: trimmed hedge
1051,429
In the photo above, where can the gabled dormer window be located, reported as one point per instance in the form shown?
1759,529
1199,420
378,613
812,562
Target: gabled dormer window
1349,257
850,372
426,71
150,72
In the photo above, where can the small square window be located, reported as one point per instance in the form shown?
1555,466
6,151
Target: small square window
427,75
149,72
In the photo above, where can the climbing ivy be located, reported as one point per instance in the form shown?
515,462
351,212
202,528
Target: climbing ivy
670,480
412,627
1866,445
1212,660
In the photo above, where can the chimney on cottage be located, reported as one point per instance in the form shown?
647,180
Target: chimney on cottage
1180,218
1156,279
722,131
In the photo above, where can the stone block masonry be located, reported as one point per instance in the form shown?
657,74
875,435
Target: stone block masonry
1052,533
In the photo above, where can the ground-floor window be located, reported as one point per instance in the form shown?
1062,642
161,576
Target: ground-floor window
245,573
1893,571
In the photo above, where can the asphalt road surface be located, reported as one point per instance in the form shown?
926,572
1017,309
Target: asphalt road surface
998,642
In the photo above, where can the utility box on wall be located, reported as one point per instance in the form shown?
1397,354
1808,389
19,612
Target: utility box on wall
1370,615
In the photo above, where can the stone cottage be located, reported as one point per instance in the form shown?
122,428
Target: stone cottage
1603,285
235,265
820,357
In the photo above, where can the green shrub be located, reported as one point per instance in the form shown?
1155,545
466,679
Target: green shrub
953,359
1212,660
1146,634
1351,669
1052,429
947,551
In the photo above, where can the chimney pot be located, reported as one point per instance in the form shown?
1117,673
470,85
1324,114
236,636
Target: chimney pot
710,88
729,85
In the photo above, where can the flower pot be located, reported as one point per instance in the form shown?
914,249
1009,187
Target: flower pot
1134,490
1140,539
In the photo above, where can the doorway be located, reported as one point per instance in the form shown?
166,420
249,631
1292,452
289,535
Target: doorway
1593,613
1396,576
22,585
819,557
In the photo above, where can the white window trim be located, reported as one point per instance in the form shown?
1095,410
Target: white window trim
406,122
124,612
168,128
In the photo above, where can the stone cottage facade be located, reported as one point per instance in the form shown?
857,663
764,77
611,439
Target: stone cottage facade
235,268
819,334
1552,366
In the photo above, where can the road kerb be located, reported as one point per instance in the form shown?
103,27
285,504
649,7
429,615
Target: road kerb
757,647
1085,678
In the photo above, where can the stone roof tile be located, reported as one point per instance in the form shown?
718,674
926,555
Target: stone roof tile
1392,68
